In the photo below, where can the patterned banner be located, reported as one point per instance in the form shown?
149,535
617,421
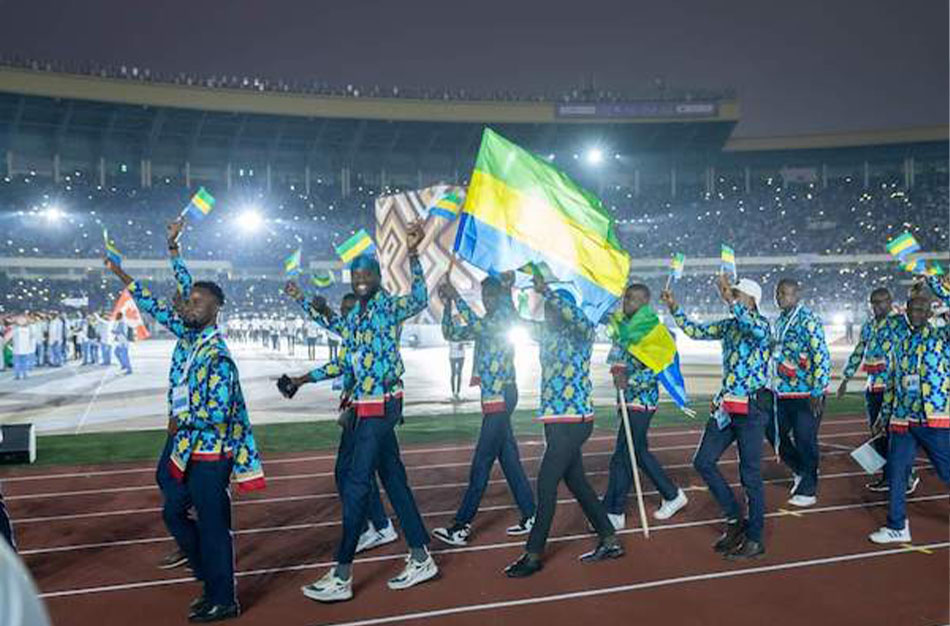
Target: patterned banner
393,214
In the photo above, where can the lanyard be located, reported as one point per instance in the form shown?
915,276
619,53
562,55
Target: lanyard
194,352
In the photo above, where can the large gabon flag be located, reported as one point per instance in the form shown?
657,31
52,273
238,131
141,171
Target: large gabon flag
133,319
519,209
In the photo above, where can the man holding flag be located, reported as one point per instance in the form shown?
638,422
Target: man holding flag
636,385
739,411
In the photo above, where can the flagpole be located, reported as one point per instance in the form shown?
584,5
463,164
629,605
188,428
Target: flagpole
633,465
669,279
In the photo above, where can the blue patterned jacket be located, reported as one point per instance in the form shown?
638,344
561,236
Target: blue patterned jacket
565,365
641,393
494,354
800,353
746,350
376,327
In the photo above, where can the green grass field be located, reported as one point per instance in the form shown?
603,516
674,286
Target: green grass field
97,448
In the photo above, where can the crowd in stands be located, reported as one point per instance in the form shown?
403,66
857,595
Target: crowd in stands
774,221
655,90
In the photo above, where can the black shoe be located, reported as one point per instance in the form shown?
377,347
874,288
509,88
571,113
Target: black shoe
522,568
748,550
731,538
215,613
197,605
879,485
602,552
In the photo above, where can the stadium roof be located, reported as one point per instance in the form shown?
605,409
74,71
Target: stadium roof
152,114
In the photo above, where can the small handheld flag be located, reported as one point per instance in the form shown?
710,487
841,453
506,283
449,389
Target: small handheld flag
676,265
358,244
727,263
902,246
292,264
112,252
200,205
934,269
322,279
448,206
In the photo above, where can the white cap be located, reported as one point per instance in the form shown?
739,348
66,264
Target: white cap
750,288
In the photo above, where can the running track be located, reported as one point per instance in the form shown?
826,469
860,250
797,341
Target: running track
92,535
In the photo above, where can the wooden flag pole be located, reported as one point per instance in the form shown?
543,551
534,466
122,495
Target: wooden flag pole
633,465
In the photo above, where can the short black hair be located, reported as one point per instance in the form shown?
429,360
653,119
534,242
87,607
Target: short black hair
791,282
348,296
212,288
642,288
881,291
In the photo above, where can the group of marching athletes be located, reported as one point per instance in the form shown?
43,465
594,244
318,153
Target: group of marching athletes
774,378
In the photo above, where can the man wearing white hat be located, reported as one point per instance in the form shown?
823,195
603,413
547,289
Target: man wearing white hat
739,411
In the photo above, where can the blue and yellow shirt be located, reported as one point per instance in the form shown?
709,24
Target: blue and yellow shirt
917,388
216,424
565,365
376,326
494,354
746,350
878,338
641,393
800,353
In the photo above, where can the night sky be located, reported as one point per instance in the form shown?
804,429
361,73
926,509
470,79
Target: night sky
804,66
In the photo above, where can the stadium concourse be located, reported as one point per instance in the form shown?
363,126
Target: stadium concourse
303,165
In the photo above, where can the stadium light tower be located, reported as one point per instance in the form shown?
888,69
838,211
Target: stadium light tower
594,156
249,220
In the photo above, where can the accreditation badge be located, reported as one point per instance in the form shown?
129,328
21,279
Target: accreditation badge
180,400
911,383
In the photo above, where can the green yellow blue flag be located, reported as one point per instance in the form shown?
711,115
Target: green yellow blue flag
322,279
112,252
727,261
448,206
677,263
520,209
292,263
201,204
359,243
643,336
902,246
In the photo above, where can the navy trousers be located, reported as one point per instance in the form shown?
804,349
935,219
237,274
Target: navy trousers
344,459
620,477
747,431
175,503
6,529
207,541
376,450
496,440
797,440
900,460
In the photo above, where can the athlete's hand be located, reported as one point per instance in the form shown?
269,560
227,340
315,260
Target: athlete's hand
292,289
414,236
666,297
817,406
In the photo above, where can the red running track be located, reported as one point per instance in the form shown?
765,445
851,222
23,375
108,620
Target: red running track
92,535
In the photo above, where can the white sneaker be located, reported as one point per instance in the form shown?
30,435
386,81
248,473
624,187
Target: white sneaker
415,572
456,535
521,528
617,520
796,481
802,501
669,507
889,535
373,538
330,588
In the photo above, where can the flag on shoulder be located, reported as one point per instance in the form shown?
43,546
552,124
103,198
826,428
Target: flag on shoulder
520,209
201,204
359,243
643,336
